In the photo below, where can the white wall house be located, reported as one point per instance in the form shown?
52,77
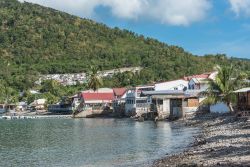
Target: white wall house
136,104
172,85
201,83
198,84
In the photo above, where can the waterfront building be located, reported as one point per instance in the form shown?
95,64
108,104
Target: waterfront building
38,104
65,106
21,106
198,84
94,103
243,101
119,101
7,107
2,108
179,84
179,97
137,104
172,103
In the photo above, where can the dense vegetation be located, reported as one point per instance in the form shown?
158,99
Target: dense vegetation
38,40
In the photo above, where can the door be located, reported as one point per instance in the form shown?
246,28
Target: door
176,108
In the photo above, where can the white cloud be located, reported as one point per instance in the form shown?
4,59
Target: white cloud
179,12
129,9
240,7
171,12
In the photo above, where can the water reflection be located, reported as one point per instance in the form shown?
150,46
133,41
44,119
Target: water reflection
85,142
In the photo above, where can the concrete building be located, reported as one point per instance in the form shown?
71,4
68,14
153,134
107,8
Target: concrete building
198,84
167,103
137,103
119,101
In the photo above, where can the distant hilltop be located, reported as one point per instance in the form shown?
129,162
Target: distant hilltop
73,79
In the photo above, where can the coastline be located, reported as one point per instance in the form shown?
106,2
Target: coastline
32,115
223,141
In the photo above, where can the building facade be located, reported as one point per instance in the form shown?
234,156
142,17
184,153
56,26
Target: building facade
136,102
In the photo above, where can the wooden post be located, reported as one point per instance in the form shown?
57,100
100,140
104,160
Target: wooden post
248,105
182,111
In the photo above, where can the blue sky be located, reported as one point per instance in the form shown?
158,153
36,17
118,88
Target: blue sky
199,26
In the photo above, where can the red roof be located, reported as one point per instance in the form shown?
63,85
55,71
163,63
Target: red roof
98,96
119,91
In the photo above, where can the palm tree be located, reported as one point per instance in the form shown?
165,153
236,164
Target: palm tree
94,83
221,89
94,80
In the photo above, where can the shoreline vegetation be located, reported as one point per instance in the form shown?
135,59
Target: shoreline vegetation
223,141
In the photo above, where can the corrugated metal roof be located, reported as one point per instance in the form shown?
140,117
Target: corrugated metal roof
164,92
200,80
98,96
243,90
100,90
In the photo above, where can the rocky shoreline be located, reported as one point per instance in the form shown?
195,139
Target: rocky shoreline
224,141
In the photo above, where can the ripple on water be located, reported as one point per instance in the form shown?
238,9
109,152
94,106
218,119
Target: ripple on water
88,142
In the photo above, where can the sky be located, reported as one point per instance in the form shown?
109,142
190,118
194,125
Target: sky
199,26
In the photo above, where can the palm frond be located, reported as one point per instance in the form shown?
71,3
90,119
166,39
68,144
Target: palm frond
221,89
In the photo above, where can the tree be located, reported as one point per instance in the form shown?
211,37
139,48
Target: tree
2,92
94,80
7,94
221,89
52,86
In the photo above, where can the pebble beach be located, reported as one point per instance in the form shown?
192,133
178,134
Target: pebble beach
223,141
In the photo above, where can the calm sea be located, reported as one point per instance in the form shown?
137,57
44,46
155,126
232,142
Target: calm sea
89,142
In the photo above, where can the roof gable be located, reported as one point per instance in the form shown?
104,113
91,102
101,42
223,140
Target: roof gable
119,91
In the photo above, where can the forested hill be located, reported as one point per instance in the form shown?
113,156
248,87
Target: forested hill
39,40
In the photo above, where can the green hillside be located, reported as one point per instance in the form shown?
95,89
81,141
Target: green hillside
38,40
